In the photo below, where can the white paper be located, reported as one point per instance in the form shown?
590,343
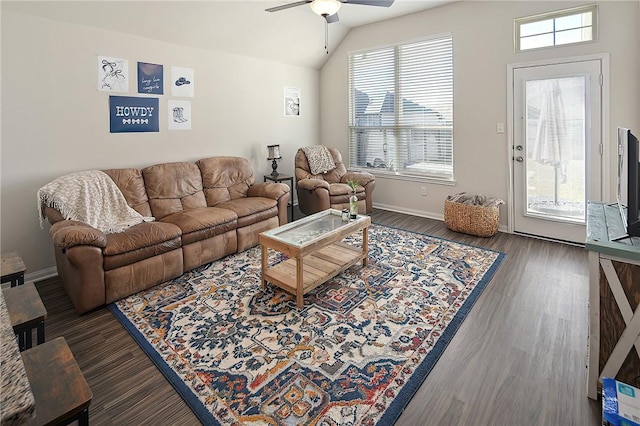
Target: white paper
113,74
182,82
179,115
291,101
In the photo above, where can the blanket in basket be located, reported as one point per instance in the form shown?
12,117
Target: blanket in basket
91,197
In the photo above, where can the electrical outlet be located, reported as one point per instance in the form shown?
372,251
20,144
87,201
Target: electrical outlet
423,191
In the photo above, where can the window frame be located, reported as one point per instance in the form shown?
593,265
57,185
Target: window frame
519,22
427,176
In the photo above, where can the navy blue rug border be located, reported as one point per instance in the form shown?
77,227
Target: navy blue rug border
396,408
421,373
199,409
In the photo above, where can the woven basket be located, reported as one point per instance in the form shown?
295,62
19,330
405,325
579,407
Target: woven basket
470,219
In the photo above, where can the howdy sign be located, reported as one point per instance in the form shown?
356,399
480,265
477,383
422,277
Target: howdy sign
129,114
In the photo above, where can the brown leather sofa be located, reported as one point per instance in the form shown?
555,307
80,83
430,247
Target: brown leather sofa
330,190
204,210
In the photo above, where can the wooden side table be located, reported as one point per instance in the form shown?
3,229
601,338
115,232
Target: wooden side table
283,178
12,269
61,392
26,313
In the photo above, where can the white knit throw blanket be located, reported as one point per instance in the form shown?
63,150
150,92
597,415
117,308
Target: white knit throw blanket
319,158
91,197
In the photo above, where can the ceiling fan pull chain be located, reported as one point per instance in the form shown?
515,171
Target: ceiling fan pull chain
326,35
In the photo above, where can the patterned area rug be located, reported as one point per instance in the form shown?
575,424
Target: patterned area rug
355,354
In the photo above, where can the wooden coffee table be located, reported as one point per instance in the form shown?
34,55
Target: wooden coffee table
315,249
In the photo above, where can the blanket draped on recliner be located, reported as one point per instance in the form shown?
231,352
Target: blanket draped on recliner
319,158
91,197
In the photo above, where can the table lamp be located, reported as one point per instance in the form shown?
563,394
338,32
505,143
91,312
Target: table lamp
274,154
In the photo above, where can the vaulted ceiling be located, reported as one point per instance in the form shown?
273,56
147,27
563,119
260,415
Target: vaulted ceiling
293,36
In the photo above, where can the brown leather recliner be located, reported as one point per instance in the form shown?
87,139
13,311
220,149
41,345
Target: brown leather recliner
330,190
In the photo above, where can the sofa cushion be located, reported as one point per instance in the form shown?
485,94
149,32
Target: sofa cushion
131,184
140,242
202,223
173,187
336,189
225,178
252,209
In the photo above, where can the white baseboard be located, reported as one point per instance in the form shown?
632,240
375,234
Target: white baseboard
412,212
422,213
40,275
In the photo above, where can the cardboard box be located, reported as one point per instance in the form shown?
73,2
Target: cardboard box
620,403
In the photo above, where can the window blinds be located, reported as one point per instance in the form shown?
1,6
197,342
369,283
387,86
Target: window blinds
401,109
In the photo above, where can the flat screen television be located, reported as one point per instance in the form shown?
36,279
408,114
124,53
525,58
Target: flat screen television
629,181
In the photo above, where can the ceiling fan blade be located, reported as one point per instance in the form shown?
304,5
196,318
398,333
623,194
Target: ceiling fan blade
332,18
382,3
287,6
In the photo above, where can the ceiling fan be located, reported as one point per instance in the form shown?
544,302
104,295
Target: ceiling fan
328,9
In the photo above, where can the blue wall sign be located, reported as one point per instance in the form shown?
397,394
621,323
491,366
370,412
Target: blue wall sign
150,78
130,114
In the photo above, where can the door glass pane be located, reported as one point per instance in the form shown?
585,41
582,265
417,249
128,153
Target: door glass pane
555,148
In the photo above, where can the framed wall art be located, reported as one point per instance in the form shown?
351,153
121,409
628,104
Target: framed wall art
133,114
113,74
179,115
291,101
150,78
182,82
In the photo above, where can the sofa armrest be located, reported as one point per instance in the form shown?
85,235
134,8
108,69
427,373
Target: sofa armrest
363,178
69,233
52,215
273,190
311,184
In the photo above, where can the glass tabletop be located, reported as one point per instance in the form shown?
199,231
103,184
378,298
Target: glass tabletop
306,230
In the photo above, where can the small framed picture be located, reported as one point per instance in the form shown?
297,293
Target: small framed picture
182,82
179,115
150,78
291,101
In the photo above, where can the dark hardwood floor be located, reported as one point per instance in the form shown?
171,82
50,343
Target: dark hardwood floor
519,358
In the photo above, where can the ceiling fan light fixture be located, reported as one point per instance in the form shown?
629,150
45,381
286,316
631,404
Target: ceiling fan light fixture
325,7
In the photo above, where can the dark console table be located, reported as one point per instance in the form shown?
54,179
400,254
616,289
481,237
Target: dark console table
614,299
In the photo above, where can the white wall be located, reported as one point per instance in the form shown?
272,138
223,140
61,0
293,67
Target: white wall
54,121
483,47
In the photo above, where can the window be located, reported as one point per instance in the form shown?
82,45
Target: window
570,26
401,109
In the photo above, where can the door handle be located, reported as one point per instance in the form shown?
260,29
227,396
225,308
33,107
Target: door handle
519,159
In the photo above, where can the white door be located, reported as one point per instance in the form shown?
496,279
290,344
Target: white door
556,148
